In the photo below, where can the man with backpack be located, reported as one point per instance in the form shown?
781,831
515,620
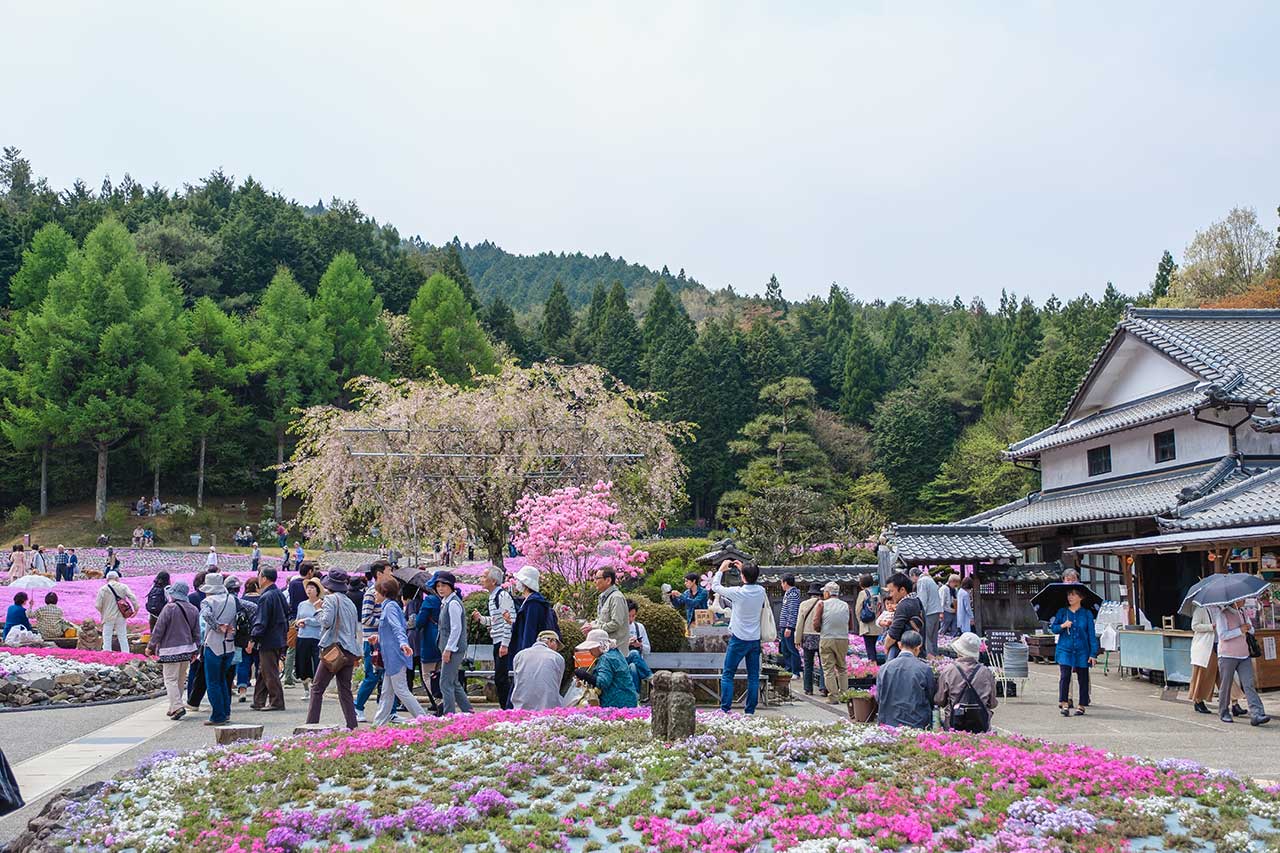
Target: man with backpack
502,613
270,626
966,690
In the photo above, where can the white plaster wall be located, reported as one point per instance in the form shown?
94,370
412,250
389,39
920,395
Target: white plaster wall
1253,443
1135,370
1133,451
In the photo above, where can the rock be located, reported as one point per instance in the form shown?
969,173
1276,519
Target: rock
42,685
682,717
233,733
68,678
659,690
311,728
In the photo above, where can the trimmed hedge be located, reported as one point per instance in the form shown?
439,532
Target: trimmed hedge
662,550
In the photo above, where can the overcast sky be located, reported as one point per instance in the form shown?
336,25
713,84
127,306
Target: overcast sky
898,149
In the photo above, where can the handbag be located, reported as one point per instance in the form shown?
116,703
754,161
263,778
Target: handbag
291,640
124,605
334,657
768,628
1255,648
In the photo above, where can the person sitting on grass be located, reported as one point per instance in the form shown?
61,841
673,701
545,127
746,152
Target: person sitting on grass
610,674
50,621
637,647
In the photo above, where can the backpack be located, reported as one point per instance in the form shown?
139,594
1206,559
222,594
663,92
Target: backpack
155,600
242,626
867,614
967,716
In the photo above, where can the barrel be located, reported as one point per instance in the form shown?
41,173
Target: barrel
1015,660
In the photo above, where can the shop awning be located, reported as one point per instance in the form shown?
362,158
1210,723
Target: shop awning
1186,540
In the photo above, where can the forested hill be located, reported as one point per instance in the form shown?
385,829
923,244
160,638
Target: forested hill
525,281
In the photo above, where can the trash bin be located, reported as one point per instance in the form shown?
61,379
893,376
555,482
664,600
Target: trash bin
195,538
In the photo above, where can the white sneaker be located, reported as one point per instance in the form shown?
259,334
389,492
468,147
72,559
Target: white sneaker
395,718
360,716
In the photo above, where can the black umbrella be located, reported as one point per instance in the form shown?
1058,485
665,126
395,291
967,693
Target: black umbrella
412,576
1053,598
1221,590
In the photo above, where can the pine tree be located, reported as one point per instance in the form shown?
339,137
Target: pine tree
291,359
586,337
839,323
47,256
351,313
773,295
619,347
217,359
862,378
445,335
500,322
667,332
112,324
557,324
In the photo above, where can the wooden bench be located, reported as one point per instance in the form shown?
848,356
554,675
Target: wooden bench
704,670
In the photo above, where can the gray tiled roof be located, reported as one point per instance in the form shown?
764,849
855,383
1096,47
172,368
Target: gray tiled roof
1134,497
915,544
806,575
1232,351
1130,415
1252,501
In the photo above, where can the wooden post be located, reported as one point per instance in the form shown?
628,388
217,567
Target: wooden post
977,600
1127,576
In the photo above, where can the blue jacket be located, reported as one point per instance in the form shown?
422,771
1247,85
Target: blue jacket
533,618
428,625
691,603
1079,642
16,615
392,634
613,680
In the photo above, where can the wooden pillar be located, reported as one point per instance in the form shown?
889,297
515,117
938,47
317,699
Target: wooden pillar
977,600
1127,576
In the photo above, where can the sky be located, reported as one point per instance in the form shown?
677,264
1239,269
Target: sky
919,150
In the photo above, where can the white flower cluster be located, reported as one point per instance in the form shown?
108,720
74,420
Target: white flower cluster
153,815
1239,842
833,845
41,666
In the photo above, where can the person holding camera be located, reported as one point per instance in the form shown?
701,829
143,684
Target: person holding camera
748,602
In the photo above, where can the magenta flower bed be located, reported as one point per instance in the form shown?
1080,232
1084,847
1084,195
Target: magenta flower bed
593,779
81,655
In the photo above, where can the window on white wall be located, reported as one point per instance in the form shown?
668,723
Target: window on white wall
1166,448
1099,460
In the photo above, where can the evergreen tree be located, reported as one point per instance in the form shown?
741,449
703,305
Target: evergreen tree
912,433
586,337
725,408
351,314
445,335
112,325
862,375
839,325
217,360
619,345
773,295
1021,342
769,356
779,441
557,324
500,322
447,261
47,256
667,333
974,477
291,359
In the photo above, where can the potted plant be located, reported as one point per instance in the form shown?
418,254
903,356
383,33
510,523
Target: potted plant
861,703
862,673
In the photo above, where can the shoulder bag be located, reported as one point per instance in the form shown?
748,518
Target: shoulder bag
124,605
334,657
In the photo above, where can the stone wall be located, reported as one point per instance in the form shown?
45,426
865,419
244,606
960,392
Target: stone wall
73,688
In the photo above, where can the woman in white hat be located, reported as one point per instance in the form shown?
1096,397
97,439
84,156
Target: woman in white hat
535,614
966,690
610,673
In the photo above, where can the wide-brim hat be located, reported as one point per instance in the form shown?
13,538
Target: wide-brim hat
596,639
967,645
178,589
214,587
815,588
445,577
336,581
528,577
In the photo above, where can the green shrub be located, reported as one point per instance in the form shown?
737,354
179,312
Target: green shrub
652,594
18,520
204,521
116,519
672,572
665,625
477,602
662,550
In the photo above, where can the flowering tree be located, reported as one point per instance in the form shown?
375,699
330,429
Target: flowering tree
414,458
571,532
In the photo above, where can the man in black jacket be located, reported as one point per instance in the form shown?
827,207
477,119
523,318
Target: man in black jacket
908,615
270,627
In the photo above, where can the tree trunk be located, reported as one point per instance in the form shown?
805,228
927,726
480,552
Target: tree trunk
200,473
279,461
100,502
155,482
44,480
495,542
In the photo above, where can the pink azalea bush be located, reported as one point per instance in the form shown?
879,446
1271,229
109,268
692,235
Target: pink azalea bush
80,655
571,532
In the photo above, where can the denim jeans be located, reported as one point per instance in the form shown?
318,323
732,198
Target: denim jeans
739,649
639,668
372,678
791,660
215,681
248,663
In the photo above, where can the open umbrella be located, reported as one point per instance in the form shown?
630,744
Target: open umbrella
1221,590
32,582
1053,598
412,576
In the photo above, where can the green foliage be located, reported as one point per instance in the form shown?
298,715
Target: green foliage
860,379
662,551
445,335
618,344
115,520
672,572
777,523
476,602
571,634
47,256
664,624
913,432
291,354
557,323
500,322
18,519
350,312
973,477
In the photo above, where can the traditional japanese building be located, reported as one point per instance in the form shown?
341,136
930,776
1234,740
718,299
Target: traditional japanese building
1174,424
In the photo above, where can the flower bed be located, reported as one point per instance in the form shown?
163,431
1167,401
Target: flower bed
52,676
594,779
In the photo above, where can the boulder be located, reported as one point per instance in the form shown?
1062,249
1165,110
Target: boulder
659,690
232,733
68,679
312,728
